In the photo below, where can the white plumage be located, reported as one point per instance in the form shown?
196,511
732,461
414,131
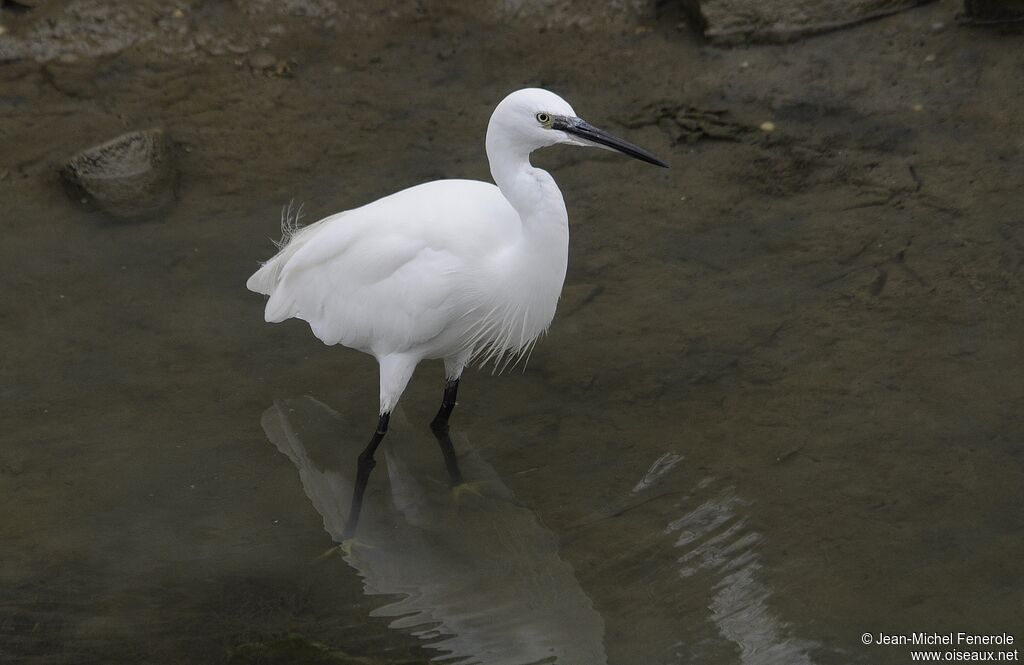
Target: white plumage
443,283
447,269
450,269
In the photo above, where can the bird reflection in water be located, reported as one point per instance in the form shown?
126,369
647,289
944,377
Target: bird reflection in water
477,576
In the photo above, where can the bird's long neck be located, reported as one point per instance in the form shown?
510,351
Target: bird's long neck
532,270
531,191
535,196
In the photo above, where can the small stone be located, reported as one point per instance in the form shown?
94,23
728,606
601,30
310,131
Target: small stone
177,13
3,29
930,57
131,177
918,107
737,21
282,69
937,26
261,60
767,126
989,12
744,64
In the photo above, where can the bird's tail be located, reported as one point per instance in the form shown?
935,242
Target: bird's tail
265,279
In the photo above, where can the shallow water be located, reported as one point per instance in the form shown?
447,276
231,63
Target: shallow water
780,405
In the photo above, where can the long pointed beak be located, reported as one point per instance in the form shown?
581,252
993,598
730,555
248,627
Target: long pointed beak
594,136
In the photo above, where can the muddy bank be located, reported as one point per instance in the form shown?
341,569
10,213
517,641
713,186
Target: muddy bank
819,322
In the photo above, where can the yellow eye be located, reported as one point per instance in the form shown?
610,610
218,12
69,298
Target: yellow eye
543,118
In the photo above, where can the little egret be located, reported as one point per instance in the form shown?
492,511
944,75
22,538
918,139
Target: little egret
457,270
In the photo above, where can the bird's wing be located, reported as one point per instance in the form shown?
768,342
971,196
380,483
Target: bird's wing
383,277
367,291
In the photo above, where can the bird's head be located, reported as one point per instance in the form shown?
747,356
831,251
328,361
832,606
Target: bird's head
536,118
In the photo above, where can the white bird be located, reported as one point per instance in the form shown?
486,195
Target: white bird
457,270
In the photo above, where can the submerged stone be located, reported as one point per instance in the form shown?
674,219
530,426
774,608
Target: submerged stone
736,21
131,177
994,11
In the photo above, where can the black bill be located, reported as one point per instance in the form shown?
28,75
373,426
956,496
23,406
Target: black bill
588,132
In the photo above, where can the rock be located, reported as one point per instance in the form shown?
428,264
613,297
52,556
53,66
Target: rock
132,177
20,4
687,124
261,60
993,11
735,21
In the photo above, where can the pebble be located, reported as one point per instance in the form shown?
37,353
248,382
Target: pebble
930,57
918,107
131,177
262,60
768,126
3,29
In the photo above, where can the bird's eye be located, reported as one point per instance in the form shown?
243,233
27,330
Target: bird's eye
543,118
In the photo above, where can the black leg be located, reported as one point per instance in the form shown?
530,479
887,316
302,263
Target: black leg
439,426
366,464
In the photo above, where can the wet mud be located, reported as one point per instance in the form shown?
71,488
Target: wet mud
780,406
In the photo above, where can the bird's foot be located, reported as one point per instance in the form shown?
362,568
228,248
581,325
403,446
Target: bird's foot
329,553
344,548
473,487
